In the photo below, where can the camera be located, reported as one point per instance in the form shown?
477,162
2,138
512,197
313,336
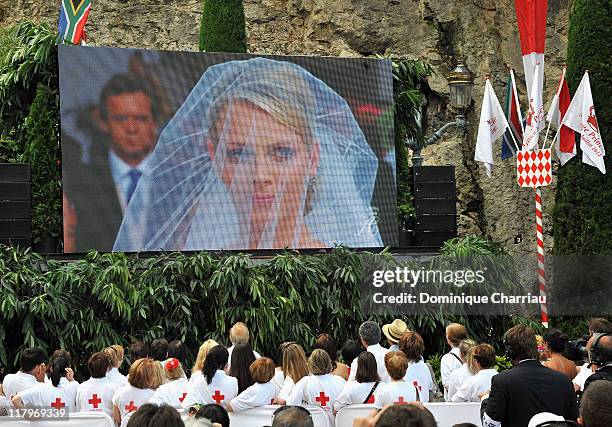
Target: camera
577,351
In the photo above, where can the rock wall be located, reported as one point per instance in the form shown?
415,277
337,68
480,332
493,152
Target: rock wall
483,32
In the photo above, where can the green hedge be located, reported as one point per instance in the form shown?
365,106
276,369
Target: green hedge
583,208
86,305
222,27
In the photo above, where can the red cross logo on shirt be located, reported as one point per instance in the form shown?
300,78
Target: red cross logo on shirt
218,397
371,399
95,401
400,401
322,399
130,407
182,397
58,404
416,384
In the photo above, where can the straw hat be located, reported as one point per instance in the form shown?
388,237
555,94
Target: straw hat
394,330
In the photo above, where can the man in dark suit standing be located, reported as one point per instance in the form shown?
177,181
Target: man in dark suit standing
528,388
600,356
129,121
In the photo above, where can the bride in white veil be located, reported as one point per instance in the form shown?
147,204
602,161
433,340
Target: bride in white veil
261,155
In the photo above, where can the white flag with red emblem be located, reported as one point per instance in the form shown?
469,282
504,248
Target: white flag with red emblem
535,113
581,117
493,125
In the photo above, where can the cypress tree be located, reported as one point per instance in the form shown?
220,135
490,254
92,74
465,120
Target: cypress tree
582,218
583,208
222,28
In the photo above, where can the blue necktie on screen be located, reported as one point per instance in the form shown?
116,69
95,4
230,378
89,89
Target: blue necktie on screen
134,177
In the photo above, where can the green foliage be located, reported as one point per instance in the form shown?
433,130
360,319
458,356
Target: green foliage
29,118
85,305
502,363
222,27
29,58
42,153
408,78
583,208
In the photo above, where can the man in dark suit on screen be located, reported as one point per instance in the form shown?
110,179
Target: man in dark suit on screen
528,388
129,124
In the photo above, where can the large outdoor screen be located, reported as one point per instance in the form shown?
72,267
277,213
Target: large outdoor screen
203,151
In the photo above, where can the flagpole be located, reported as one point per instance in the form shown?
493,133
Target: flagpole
541,265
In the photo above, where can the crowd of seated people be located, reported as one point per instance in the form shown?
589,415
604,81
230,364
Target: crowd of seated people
395,380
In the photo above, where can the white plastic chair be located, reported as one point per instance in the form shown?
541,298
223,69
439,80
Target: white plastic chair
446,414
262,416
449,414
346,415
76,419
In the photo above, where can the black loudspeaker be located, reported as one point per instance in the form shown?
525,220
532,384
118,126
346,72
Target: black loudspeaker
15,205
435,203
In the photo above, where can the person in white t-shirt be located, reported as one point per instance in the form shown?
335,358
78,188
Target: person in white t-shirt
214,385
144,377
261,393
116,354
321,387
96,394
369,333
417,374
459,375
362,390
475,386
177,391
398,391
59,393
33,368
239,334
196,370
294,368
451,360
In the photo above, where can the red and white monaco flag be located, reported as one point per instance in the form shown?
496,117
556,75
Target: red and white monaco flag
565,142
493,125
531,18
581,117
535,113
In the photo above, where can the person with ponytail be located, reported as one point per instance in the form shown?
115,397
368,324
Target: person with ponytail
117,355
59,393
214,385
177,391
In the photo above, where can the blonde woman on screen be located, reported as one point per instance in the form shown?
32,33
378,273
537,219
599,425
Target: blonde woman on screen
261,155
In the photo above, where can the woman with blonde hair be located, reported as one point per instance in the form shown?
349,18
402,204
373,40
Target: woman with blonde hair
199,362
116,354
144,377
177,391
294,368
321,387
466,370
261,154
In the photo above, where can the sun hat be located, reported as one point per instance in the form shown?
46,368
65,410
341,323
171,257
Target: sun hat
394,330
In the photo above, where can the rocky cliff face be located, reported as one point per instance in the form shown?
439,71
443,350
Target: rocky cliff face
483,32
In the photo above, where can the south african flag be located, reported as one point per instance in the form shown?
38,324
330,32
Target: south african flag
73,15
